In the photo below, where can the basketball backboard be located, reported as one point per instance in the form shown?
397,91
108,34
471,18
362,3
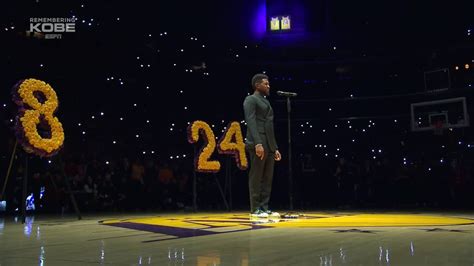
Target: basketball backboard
446,113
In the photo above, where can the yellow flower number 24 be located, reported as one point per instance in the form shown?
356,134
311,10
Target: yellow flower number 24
231,143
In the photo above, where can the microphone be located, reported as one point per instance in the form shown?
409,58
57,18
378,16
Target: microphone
287,94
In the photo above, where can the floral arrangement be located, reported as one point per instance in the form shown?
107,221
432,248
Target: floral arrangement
236,148
202,162
37,102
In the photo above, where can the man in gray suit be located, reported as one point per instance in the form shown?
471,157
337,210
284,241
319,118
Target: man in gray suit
261,146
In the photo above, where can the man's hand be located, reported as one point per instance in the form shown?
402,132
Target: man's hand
277,156
259,151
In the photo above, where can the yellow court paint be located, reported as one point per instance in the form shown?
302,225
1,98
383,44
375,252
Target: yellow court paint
309,220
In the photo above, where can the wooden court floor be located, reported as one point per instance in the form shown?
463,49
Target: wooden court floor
312,238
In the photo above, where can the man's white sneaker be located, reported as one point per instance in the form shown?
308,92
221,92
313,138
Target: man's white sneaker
259,214
273,214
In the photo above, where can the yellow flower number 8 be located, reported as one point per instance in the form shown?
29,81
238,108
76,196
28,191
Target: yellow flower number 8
31,112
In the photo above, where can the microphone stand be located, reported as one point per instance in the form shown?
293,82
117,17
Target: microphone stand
290,166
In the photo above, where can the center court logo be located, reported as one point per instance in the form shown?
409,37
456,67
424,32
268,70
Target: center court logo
195,225
52,28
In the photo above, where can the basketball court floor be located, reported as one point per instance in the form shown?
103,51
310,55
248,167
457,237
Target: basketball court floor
312,238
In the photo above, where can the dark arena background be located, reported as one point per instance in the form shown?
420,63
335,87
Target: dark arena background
377,146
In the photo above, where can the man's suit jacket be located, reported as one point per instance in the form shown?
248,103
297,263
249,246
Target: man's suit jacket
259,118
